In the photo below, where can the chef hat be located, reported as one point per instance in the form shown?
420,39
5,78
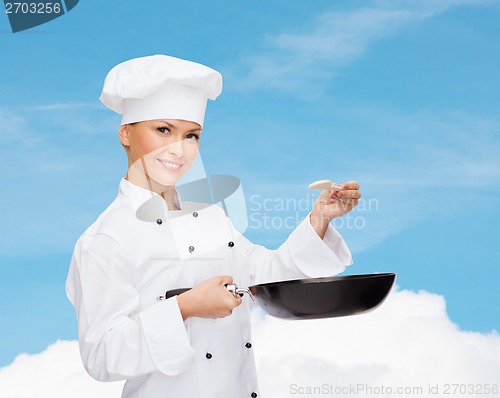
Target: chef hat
160,87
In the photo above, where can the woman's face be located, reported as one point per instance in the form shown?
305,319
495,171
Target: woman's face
162,150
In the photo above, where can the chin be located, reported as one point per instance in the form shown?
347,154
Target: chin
166,178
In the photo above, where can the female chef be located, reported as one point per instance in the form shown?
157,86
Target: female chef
149,240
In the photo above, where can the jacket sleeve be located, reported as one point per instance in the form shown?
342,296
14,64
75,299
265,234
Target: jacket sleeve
303,255
116,341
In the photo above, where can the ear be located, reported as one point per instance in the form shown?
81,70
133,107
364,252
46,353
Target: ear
124,134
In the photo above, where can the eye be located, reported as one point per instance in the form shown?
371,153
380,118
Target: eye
193,136
163,130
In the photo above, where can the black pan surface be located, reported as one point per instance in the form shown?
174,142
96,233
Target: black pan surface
328,297
316,298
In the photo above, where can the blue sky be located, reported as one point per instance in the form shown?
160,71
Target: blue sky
400,95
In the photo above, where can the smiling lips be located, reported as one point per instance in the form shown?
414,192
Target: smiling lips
170,165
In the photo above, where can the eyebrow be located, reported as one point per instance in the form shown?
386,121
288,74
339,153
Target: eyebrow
175,127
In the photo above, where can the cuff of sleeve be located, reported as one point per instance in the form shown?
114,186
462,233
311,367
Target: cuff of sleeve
167,337
335,242
318,257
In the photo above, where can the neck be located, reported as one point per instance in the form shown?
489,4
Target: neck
138,178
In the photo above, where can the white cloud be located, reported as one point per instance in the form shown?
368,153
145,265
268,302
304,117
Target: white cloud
332,40
408,342
57,372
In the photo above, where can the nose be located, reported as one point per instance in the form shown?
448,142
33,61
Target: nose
176,148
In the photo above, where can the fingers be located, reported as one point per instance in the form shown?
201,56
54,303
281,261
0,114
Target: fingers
350,185
350,190
226,280
349,203
347,200
349,194
345,195
345,203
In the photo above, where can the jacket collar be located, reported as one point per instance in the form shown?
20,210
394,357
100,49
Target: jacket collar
138,196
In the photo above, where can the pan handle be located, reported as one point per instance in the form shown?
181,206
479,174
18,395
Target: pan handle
233,289
174,292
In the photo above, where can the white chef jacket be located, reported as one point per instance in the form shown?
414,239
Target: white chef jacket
120,266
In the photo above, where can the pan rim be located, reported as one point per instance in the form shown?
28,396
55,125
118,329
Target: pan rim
325,279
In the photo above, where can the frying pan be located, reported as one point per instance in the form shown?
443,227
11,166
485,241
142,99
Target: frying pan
316,298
